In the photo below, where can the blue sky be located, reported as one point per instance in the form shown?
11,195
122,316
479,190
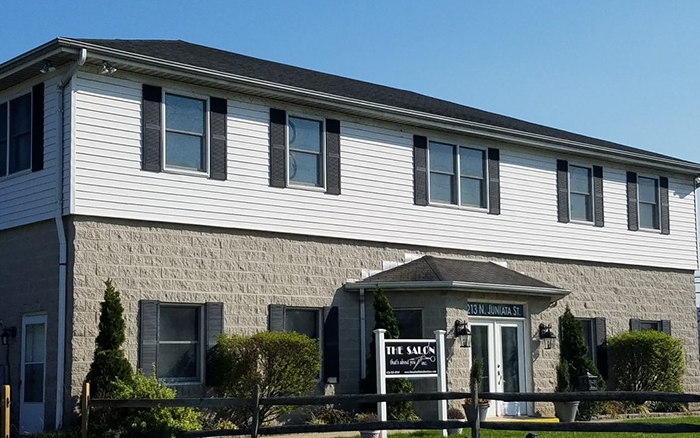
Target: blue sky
625,71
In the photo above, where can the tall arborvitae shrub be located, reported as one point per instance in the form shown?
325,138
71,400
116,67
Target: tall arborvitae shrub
385,318
574,357
109,363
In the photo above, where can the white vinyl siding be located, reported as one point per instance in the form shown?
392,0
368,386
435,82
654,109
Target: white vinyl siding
377,180
28,197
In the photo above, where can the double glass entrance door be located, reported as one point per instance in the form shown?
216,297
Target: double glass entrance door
500,344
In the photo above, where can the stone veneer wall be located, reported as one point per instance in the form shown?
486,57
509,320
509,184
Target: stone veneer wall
249,270
29,284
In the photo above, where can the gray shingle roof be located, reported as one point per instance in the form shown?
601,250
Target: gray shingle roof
233,63
437,269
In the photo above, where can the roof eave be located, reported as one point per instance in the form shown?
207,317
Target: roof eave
370,109
35,55
463,286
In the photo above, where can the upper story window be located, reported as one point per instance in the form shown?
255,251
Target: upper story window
648,202
185,133
580,193
457,175
16,135
305,152
179,343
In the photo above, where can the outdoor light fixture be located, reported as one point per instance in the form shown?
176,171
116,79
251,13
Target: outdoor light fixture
107,68
47,67
547,336
463,333
7,333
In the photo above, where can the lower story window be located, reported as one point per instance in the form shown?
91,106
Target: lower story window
410,323
304,321
588,326
651,325
179,343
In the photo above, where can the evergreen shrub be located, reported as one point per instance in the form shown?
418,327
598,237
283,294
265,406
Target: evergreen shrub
384,318
573,355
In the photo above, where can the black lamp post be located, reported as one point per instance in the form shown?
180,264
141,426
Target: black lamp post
546,336
463,333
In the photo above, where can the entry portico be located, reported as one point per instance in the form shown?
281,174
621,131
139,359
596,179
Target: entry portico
494,301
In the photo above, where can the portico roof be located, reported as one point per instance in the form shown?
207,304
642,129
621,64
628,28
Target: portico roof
430,272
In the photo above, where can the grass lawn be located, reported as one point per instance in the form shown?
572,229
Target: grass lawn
521,434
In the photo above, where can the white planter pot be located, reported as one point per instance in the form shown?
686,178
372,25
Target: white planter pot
566,411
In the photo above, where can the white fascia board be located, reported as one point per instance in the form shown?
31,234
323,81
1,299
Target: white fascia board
381,111
460,286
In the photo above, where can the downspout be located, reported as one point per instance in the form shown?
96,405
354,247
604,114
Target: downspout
62,247
363,337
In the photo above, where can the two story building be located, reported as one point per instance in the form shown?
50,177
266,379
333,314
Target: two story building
223,193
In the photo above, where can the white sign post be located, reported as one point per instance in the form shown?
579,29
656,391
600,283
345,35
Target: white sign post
411,359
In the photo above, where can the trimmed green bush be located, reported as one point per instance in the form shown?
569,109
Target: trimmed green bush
281,363
109,363
385,318
573,355
648,361
142,423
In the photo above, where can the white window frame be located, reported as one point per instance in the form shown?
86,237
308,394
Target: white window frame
163,131
321,335
422,317
658,203
322,155
458,175
201,351
590,186
6,100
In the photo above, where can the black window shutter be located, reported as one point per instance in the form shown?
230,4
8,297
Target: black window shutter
215,326
215,322
635,325
666,326
278,148
151,113
148,348
331,345
598,207
38,129
333,156
494,156
563,190
276,314
420,170
217,141
665,222
632,207
601,342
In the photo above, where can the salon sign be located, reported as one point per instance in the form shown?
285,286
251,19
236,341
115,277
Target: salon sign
407,357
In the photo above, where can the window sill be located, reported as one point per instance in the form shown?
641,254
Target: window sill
649,230
309,188
186,172
181,382
586,223
458,207
19,174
